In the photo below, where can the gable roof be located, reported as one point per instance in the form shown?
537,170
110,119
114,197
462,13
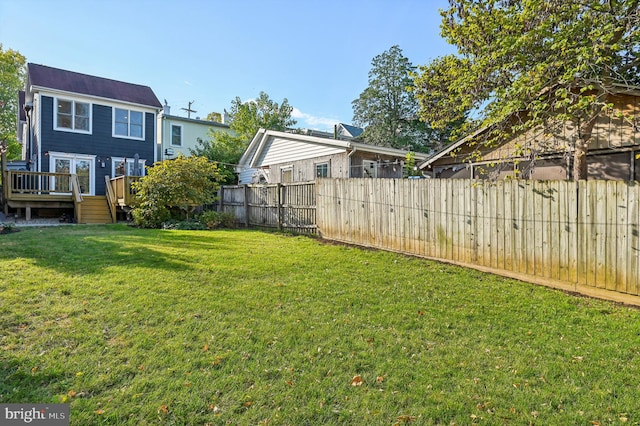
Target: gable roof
352,131
42,76
616,89
259,143
448,149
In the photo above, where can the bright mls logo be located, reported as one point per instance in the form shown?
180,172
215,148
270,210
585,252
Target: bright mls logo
35,414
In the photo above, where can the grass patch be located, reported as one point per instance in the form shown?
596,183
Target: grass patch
145,327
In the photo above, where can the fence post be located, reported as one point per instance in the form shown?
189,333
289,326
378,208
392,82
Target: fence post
221,200
279,203
246,205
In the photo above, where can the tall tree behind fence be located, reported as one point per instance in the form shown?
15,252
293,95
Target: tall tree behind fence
583,233
290,207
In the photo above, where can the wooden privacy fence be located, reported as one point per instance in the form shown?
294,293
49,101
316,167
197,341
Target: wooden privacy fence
289,207
582,233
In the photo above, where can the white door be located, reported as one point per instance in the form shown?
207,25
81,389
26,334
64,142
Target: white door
81,165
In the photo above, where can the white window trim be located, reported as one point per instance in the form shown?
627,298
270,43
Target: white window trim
113,124
322,163
116,160
73,157
73,115
171,134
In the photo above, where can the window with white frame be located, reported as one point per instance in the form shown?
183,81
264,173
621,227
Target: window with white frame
286,174
322,169
72,116
176,135
127,166
128,123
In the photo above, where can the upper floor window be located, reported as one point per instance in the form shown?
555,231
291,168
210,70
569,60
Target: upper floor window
176,135
73,116
128,123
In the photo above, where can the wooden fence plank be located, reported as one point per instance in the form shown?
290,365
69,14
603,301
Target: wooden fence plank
633,239
599,236
619,273
585,233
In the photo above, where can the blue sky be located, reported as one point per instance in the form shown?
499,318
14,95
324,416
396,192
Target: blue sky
317,54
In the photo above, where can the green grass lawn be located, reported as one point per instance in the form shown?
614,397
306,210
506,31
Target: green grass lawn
147,327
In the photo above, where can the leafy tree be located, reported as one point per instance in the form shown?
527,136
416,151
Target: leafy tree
216,117
247,117
555,59
12,79
245,120
387,108
410,164
173,188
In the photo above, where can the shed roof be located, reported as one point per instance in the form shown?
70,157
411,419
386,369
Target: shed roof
259,144
69,81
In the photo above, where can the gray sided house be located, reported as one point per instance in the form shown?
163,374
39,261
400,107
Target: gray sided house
89,126
547,153
283,157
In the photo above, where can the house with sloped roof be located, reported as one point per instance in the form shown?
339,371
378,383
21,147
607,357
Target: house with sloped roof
285,157
180,135
546,152
84,129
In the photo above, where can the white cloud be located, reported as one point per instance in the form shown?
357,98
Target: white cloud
313,122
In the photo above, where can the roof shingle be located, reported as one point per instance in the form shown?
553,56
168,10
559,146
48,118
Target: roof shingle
69,81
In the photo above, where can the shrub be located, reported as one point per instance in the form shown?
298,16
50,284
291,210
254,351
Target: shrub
173,189
213,219
150,215
189,225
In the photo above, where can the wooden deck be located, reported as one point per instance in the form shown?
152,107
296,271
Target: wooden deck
27,190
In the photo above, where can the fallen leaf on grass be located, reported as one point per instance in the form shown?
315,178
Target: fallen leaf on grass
71,393
163,409
205,348
99,412
380,379
406,418
356,381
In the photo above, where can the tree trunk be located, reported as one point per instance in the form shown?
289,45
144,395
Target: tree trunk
580,159
582,145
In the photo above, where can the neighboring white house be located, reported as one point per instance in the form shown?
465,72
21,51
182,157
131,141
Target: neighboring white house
178,135
281,157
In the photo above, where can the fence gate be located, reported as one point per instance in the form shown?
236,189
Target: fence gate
289,207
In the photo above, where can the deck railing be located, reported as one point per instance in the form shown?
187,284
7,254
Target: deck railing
24,184
121,187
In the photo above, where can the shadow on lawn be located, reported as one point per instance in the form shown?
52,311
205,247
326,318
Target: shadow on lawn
89,250
21,383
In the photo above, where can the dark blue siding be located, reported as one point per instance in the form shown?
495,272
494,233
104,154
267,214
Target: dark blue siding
100,143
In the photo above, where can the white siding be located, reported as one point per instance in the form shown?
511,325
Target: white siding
280,150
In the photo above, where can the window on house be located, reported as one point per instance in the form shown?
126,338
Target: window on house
176,135
127,166
322,170
369,169
73,116
128,123
286,174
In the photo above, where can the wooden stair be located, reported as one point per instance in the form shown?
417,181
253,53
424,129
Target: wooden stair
94,209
